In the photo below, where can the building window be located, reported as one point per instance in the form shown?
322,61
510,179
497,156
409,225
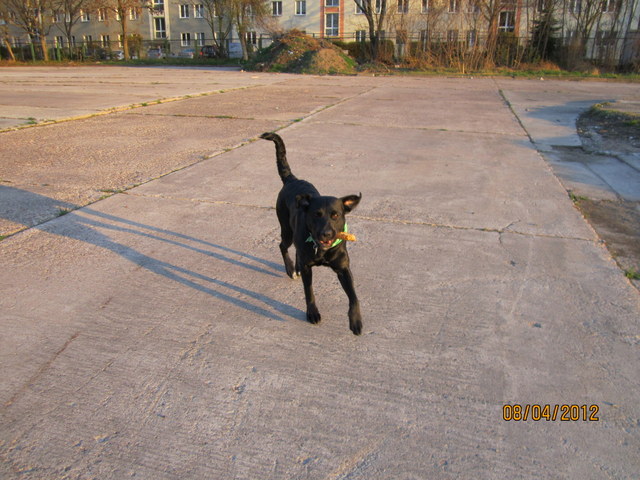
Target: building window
506,22
276,9
575,6
198,11
185,39
158,7
102,14
425,6
84,16
452,36
361,35
454,6
133,14
87,39
160,27
106,42
608,6
473,6
359,10
606,38
472,38
331,26
184,11
401,43
403,6
252,38
301,7
59,42
424,39
199,38
332,3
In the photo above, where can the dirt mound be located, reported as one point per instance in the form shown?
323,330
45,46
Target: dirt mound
296,52
603,128
617,222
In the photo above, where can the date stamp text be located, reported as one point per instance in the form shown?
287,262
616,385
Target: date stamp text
550,413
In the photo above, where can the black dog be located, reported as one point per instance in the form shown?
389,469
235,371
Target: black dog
311,222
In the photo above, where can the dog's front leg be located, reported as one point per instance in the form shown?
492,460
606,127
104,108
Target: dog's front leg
288,264
355,319
313,315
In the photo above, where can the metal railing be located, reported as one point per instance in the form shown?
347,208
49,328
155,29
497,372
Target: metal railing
466,50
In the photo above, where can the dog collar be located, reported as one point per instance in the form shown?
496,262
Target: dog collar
337,241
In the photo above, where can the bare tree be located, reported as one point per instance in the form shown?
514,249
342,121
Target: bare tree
120,10
34,17
217,13
544,26
630,8
246,14
490,10
609,28
68,14
586,14
433,21
375,12
4,32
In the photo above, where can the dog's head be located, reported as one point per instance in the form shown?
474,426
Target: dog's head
325,216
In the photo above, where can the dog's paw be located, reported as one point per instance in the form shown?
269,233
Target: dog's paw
293,274
313,315
288,266
356,326
355,321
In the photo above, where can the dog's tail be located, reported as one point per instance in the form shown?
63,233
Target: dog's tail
281,156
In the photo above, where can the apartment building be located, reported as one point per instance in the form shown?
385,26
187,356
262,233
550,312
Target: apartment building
181,24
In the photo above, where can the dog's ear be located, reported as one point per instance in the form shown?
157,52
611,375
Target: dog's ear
350,202
302,201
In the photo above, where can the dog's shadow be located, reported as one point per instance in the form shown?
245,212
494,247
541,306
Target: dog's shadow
89,225
212,286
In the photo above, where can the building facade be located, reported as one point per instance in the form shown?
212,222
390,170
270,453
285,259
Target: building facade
611,26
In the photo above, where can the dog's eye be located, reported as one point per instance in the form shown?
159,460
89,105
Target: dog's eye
334,215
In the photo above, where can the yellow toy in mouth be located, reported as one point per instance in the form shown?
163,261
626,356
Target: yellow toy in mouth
346,236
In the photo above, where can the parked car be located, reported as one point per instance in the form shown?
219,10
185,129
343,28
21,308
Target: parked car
97,53
187,53
155,52
117,55
209,51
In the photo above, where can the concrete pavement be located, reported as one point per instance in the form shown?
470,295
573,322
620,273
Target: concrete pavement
153,334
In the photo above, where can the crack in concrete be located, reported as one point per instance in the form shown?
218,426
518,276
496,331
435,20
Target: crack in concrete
513,112
424,129
40,371
126,108
390,220
127,189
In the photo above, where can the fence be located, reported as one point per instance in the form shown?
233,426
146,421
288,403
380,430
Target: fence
138,49
465,53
